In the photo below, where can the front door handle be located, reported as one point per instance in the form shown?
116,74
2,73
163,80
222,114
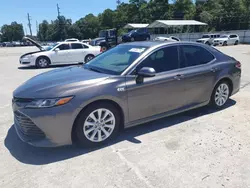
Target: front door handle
214,69
178,77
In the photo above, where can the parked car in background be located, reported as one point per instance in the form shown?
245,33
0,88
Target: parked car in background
171,38
208,38
72,40
86,41
136,35
97,41
227,39
59,53
130,84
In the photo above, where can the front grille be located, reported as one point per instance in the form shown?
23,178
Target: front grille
26,128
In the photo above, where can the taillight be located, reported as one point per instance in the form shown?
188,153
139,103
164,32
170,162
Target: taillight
238,65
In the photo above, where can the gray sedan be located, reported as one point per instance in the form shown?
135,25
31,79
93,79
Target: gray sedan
128,85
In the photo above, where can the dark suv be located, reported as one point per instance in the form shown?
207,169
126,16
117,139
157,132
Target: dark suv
136,35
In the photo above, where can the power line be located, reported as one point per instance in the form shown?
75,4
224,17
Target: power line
29,24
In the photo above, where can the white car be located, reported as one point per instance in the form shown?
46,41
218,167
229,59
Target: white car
228,39
59,53
171,38
208,38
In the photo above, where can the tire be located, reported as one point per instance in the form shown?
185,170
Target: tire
42,62
224,43
132,39
147,39
236,42
220,95
86,126
88,58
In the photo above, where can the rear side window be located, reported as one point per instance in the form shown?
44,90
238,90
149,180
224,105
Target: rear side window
76,46
63,47
195,55
233,36
165,59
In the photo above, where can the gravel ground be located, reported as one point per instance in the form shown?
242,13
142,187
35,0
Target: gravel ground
200,148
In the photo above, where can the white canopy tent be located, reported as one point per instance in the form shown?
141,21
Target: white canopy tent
135,26
169,23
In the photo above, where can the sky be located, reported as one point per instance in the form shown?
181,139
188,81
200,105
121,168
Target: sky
16,10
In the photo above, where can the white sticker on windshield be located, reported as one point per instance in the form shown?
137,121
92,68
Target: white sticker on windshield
137,50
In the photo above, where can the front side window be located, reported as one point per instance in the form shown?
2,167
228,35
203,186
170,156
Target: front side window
64,47
116,60
195,55
76,46
165,59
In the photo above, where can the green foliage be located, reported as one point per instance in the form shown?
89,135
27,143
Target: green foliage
12,32
218,14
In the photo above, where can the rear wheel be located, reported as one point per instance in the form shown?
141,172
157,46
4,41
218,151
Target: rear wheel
42,62
147,39
88,58
225,43
132,39
236,42
97,125
220,95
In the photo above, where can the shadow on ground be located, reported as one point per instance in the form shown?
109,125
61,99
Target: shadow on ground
51,66
39,156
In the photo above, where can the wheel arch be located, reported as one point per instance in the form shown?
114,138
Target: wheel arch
228,80
44,56
73,138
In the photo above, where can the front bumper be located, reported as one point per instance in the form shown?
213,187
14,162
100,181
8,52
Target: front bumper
27,61
47,127
218,43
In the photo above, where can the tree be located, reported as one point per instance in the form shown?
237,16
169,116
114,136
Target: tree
12,32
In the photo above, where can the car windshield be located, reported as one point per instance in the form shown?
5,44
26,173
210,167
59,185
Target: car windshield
206,36
224,36
48,48
130,32
115,60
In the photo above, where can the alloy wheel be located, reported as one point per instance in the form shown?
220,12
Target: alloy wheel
43,62
99,125
221,94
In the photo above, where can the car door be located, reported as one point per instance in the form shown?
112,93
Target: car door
60,55
158,94
232,39
199,73
77,52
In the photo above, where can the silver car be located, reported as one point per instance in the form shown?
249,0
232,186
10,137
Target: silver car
128,85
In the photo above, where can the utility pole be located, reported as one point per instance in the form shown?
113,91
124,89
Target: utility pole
58,10
37,28
29,24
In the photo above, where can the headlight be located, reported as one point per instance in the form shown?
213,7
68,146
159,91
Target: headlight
46,103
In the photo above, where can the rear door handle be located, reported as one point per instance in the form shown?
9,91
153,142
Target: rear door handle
179,77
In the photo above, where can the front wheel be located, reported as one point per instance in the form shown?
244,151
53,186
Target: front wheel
220,95
88,58
42,62
97,125
224,43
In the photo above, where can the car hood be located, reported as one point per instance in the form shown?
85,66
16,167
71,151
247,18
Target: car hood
203,39
34,43
221,39
59,83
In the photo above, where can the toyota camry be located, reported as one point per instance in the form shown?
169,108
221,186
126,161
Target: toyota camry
128,85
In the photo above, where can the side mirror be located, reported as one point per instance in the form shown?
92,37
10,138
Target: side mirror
146,72
57,49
